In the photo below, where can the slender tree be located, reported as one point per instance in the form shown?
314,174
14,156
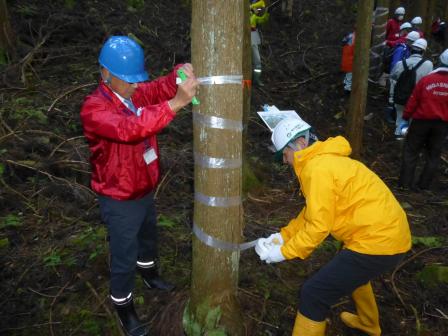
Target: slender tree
419,8
217,50
378,37
428,19
394,4
358,96
445,18
7,36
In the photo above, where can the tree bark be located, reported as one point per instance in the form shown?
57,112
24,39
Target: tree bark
419,8
445,18
394,4
378,37
358,96
429,17
287,7
217,33
7,36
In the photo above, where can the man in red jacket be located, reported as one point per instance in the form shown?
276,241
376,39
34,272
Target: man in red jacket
393,25
121,119
428,109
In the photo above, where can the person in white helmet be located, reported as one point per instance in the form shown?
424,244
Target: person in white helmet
403,87
393,25
348,201
417,26
428,109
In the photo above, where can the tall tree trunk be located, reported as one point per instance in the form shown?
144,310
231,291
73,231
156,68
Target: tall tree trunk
378,37
429,17
394,4
419,8
358,96
7,36
445,18
287,7
217,33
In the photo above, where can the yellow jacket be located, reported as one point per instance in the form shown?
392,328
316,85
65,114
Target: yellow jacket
256,20
345,199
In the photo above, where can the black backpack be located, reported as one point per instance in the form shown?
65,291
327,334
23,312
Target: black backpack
406,83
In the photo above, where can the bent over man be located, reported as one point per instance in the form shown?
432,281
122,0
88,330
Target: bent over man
121,119
348,201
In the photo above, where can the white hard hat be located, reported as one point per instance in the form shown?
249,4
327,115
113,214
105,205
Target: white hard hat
400,11
288,130
420,44
444,57
413,36
417,20
405,25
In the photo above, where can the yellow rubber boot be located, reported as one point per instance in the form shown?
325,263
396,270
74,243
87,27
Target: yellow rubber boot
306,327
367,318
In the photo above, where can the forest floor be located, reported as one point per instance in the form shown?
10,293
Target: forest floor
53,248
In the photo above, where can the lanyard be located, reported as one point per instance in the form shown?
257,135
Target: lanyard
126,111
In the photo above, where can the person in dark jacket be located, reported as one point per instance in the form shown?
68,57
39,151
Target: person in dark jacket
428,109
121,119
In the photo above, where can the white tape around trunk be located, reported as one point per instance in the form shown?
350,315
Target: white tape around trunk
214,201
217,163
217,122
229,79
220,244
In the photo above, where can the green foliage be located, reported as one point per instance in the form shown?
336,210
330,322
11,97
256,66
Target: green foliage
11,221
329,246
69,4
432,275
205,323
3,57
91,239
21,109
140,300
134,5
428,241
53,259
164,221
27,10
4,243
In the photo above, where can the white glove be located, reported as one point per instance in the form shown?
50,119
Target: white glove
262,248
276,239
274,254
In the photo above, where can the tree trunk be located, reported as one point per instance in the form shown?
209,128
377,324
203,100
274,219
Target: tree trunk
445,18
287,7
358,96
394,4
217,33
7,37
429,17
419,8
378,37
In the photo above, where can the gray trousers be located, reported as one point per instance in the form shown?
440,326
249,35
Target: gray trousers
132,232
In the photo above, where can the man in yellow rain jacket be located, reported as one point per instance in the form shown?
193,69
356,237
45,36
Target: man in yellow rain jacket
348,201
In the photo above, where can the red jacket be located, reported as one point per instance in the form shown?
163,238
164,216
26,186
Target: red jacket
348,53
392,30
118,138
429,100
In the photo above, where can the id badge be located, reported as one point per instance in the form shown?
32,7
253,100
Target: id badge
149,155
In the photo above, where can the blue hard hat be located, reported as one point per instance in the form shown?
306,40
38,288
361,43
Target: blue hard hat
124,58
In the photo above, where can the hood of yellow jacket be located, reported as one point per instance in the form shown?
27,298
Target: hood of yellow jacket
336,146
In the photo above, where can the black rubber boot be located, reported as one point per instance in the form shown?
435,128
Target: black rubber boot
151,278
129,321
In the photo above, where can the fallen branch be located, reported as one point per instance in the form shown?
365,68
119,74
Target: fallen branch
68,92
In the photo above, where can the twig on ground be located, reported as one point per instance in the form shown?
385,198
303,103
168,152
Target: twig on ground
50,320
68,92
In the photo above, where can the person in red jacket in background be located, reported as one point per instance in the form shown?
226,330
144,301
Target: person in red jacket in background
393,25
348,53
121,119
428,109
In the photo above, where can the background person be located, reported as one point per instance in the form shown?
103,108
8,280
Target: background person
121,119
348,201
428,109
258,16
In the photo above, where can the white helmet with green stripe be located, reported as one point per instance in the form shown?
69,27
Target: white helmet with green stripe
288,130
